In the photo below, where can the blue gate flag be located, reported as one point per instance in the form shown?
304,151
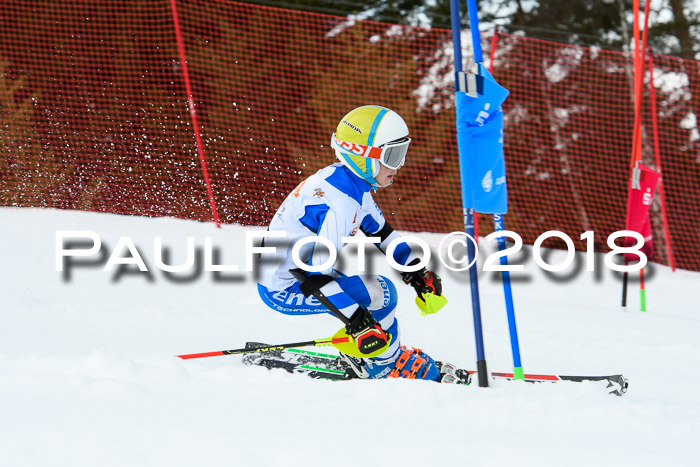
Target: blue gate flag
480,142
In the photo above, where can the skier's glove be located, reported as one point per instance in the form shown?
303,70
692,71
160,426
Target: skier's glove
428,287
367,333
423,281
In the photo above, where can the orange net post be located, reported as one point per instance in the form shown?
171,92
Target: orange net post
193,111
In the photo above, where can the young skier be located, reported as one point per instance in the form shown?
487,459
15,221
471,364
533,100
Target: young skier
371,143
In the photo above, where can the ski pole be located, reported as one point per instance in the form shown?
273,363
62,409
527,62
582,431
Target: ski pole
300,276
269,348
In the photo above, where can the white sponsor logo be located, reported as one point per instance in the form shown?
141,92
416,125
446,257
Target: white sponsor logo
487,182
483,115
382,373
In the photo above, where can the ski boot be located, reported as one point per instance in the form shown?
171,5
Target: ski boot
453,375
405,363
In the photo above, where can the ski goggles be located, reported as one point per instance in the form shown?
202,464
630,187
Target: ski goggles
391,154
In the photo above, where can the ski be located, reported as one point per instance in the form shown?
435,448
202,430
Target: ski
319,365
617,383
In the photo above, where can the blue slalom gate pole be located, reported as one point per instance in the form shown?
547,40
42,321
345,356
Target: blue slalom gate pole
518,372
476,35
482,371
497,218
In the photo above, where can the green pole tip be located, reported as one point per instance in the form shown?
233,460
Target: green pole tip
518,373
643,300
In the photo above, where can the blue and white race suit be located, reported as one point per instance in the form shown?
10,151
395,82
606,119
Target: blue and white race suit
333,203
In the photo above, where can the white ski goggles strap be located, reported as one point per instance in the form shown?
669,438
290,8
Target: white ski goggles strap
392,154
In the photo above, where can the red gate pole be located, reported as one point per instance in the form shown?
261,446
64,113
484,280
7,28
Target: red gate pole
193,112
657,158
638,60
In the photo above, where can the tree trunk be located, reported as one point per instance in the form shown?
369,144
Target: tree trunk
682,29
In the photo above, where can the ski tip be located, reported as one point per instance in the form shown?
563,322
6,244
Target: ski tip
619,384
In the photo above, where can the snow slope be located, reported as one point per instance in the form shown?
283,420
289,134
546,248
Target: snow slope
88,374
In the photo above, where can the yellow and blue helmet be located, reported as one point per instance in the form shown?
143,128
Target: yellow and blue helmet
368,137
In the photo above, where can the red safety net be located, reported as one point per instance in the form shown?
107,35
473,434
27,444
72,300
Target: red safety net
95,115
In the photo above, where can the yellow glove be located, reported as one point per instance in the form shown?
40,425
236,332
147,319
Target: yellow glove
428,287
431,303
350,347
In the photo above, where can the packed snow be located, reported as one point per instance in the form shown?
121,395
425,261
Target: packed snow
89,374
